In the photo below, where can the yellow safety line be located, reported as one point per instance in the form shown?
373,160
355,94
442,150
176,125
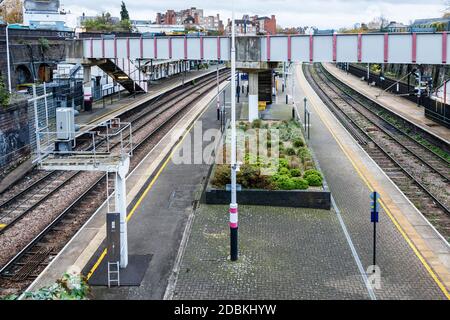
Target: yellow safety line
399,228
102,256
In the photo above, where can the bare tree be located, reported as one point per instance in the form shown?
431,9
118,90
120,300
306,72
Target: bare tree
11,11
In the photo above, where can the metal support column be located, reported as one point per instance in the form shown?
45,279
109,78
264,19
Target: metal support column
121,207
218,92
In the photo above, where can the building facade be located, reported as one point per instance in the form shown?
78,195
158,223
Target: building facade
192,17
47,15
254,25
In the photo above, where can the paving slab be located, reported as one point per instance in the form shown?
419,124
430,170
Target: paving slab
351,175
284,253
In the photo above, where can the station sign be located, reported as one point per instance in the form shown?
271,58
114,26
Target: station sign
374,206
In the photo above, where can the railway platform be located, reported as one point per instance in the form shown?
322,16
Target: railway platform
400,106
285,253
101,113
295,253
128,101
414,235
159,197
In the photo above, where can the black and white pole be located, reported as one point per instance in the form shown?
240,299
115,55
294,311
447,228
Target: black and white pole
309,124
233,211
304,109
374,210
218,92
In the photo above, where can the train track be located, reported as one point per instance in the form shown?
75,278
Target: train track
19,203
420,173
150,123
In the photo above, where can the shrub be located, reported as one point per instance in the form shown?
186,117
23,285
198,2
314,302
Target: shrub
222,175
248,176
283,163
300,183
283,182
295,172
69,287
298,143
290,151
314,180
4,94
294,163
256,123
284,171
311,172
303,153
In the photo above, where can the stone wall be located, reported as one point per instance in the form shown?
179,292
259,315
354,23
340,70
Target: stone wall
26,51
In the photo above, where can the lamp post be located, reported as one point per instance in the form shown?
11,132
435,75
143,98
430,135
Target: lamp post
8,61
233,211
218,92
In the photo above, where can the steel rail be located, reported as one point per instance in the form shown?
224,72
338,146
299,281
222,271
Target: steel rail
379,148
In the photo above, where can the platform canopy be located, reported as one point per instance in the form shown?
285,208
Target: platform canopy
420,48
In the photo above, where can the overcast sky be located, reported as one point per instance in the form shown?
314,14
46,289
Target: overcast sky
320,13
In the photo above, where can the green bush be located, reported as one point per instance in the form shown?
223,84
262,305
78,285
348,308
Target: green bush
290,151
298,142
303,153
283,182
256,123
299,183
314,180
284,171
311,172
296,172
4,94
283,163
69,287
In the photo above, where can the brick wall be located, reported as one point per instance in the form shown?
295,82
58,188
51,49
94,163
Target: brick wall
14,135
271,25
26,51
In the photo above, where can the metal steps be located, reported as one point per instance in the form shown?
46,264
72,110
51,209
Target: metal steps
124,72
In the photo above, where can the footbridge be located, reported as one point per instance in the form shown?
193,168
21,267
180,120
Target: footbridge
256,55
416,48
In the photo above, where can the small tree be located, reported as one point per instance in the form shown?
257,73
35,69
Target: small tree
12,12
106,23
124,12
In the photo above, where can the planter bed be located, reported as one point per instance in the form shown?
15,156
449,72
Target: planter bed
318,199
296,180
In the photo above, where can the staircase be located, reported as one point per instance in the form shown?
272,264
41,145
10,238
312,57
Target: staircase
124,72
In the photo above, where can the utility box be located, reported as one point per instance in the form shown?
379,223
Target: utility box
65,124
113,236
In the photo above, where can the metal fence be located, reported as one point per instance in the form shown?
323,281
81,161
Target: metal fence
42,108
435,110
41,115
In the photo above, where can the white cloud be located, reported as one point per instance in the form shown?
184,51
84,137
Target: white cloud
320,13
